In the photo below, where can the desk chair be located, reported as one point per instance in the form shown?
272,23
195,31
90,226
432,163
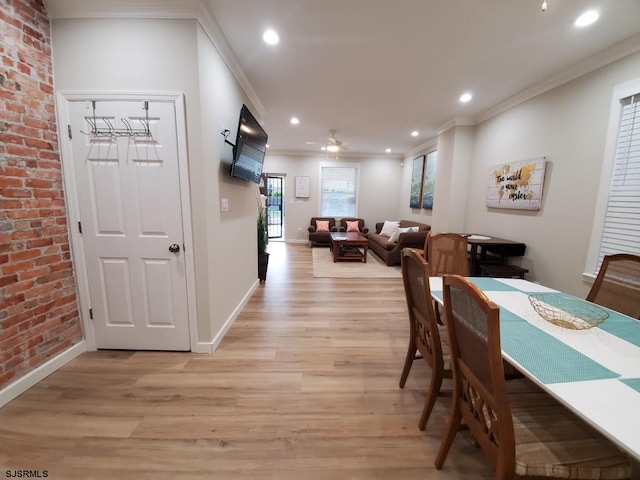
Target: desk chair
425,335
524,431
617,285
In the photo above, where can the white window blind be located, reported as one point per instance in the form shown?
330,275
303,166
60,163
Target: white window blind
338,191
621,232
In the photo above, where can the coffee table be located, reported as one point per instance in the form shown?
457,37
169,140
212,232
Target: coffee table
349,246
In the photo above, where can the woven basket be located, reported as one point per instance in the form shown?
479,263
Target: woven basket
566,311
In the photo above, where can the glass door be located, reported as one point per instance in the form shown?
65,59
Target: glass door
275,207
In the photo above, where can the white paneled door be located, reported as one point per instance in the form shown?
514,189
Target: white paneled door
125,159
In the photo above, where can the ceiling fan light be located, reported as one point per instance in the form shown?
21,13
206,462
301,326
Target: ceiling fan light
333,148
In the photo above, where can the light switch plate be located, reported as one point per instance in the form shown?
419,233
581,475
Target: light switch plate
224,204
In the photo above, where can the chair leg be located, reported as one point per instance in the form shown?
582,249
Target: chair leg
436,308
408,361
453,426
434,390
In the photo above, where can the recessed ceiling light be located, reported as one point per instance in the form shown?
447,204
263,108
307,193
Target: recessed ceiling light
587,18
464,98
388,150
310,143
323,148
267,145
415,133
270,37
294,121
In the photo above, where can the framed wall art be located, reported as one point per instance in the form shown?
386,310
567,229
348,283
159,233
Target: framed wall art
516,185
429,179
417,169
302,187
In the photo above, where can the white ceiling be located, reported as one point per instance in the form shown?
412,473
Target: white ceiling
377,69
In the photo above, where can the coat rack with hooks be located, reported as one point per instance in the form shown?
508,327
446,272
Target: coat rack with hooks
111,131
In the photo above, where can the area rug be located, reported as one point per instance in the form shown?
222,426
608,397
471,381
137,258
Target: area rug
323,267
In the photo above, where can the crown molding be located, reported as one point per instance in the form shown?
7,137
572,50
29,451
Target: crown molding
609,55
160,9
429,144
362,155
214,32
456,122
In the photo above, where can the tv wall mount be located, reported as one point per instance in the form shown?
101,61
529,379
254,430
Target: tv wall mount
225,133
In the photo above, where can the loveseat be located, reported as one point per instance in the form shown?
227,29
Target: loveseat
321,236
390,252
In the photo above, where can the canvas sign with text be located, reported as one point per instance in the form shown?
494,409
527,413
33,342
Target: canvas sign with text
516,185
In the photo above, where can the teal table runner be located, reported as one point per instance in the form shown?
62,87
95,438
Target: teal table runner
550,360
489,284
622,326
546,357
633,383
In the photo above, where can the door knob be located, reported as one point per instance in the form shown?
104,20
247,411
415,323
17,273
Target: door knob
174,248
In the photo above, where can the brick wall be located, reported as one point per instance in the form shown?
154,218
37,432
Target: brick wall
38,306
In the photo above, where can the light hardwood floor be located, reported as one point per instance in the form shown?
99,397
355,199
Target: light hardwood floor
303,386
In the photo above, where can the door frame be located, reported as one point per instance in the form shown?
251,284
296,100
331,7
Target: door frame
63,100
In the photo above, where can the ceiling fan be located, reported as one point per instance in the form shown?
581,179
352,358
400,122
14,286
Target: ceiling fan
333,144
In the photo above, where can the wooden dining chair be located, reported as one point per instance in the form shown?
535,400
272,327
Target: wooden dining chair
448,253
523,430
617,285
427,339
423,251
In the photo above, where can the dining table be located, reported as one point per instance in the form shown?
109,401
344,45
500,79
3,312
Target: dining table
594,372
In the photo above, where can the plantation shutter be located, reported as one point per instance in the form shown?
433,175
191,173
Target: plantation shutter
338,191
621,233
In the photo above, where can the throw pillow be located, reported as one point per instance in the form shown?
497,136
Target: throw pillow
396,235
388,228
322,225
352,226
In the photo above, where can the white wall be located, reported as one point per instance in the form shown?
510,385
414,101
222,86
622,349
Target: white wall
121,55
230,237
568,125
380,184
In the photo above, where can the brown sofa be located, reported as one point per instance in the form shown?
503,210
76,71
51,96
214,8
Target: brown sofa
321,237
390,252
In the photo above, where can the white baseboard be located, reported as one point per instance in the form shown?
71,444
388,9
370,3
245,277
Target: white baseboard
21,385
210,347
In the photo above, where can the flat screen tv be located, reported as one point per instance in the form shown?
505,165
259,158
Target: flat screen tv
250,148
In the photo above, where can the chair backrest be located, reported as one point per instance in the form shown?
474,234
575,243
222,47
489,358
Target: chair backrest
617,285
422,319
447,253
425,249
473,326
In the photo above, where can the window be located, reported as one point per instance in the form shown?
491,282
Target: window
617,227
339,190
